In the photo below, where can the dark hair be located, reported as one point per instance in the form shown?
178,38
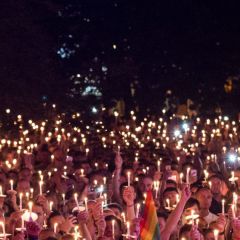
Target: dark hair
184,229
52,215
191,202
162,215
170,189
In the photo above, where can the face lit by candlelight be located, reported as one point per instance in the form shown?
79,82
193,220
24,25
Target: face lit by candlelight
145,184
109,229
204,196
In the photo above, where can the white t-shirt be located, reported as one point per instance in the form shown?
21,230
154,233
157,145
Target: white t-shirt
210,218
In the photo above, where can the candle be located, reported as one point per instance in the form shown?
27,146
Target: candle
215,233
168,203
31,191
63,196
30,205
192,216
158,165
76,200
20,201
86,201
113,229
104,180
187,177
1,191
51,206
129,178
82,172
137,210
27,195
233,211
22,222
223,206
128,229
11,184
3,229
55,227
40,187
181,177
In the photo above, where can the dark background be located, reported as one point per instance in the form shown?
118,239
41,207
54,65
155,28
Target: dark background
190,47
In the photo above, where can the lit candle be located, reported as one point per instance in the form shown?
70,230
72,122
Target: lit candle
20,201
128,229
51,206
30,205
168,203
129,178
86,203
137,210
82,172
113,229
40,187
3,229
192,216
27,195
104,180
215,233
11,184
1,191
223,206
31,191
158,165
63,196
76,200
55,227
187,177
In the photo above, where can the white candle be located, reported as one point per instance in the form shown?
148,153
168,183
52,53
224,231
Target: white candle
20,201
40,187
30,205
128,229
11,184
1,191
223,206
3,229
63,196
187,177
51,206
113,229
55,227
76,200
158,165
129,178
137,210
86,203
215,233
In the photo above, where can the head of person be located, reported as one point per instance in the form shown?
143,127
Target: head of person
145,183
216,184
109,227
170,194
191,207
204,197
162,219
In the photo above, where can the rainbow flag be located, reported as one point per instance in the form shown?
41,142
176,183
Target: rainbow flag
149,226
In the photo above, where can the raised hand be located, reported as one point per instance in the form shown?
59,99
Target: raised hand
118,161
129,195
82,217
68,224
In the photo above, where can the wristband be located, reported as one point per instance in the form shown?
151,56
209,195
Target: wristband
130,205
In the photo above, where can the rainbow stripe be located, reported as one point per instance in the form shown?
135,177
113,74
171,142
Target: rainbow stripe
149,226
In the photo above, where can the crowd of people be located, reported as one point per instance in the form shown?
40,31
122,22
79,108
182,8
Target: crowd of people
63,178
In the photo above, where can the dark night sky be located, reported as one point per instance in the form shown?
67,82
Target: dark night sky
179,44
